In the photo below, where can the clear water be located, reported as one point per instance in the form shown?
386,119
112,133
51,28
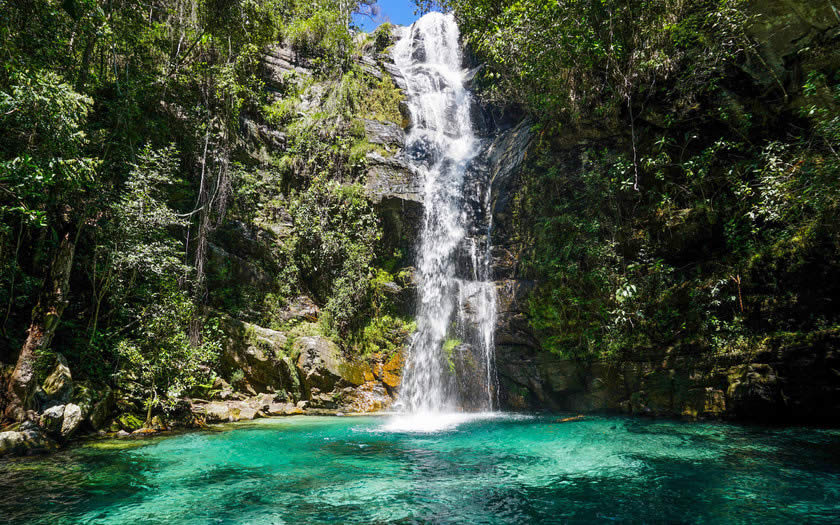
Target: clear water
456,299
490,469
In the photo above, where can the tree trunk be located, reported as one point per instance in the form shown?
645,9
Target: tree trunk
45,318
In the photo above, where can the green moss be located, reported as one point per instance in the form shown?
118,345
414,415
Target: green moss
129,422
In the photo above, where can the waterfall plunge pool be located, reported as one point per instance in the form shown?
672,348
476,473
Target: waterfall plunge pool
486,469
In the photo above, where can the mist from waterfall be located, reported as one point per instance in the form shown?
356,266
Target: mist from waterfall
449,364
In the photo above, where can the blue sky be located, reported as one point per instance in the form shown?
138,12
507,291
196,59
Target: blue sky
395,11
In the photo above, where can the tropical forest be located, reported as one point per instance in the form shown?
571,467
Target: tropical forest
419,261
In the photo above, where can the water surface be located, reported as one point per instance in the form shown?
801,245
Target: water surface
492,469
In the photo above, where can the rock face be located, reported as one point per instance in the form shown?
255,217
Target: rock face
780,380
279,371
259,354
783,380
785,28
318,362
384,133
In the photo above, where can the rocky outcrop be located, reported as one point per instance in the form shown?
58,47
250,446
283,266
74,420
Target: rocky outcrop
259,354
308,371
785,379
385,134
787,30
281,65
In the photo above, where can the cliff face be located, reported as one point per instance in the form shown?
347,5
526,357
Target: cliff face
782,376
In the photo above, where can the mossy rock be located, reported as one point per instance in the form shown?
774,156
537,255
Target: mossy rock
129,422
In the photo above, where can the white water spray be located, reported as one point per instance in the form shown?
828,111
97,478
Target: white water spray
449,366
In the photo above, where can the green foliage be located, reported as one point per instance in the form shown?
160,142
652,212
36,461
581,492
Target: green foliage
581,60
381,100
42,164
384,334
334,245
159,363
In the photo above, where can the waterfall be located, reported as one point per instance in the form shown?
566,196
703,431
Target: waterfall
449,364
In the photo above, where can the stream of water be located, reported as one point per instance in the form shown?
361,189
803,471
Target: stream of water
449,366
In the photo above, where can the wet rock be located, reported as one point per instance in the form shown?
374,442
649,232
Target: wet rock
512,325
397,194
505,156
396,75
392,178
384,133
392,370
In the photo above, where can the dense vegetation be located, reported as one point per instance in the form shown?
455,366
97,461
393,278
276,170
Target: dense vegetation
681,189
127,147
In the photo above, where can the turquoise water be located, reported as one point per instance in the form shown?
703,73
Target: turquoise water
513,469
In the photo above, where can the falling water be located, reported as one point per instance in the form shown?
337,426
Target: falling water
449,366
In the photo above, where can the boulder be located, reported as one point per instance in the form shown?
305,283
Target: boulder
229,411
25,442
258,352
58,386
283,409
72,419
52,419
319,362
219,412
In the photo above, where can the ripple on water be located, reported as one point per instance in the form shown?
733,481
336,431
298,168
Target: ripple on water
489,468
